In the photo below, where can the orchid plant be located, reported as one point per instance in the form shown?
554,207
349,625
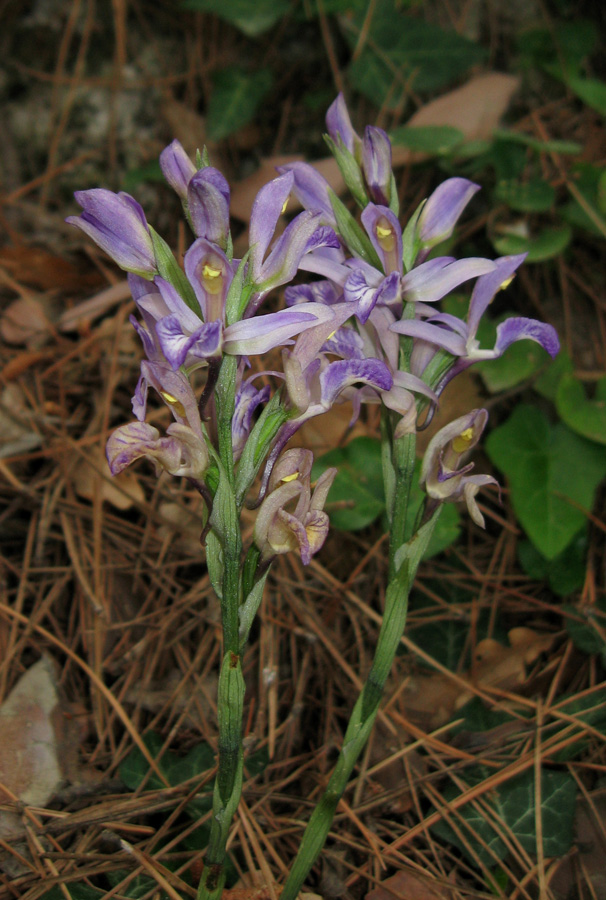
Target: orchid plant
365,329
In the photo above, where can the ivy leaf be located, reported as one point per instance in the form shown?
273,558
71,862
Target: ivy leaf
564,573
547,383
586,417
551,471
414,54
436,140
235,99
76,892
137,887
535,195
588,709
512,805
547,244
358,486
176,769
587,628
251,17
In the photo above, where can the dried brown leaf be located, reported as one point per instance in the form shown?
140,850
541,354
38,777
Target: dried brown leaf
476,109
432,700
409,885
37,268
92,474
587,865
81,315
30,767
25,322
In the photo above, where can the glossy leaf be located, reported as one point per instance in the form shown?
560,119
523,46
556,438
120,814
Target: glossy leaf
535,195
235,99
251,17
423,57
512,806
564,573
585,416
435,140
546,245
552,474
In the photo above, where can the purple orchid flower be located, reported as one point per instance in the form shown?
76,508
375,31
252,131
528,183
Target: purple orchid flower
177,168
248,399
303,235
181,453
459,338
432,280
208,205
117,224
376,164
440,473
371,154
340,128
442,210
174,389
186,340
304,527
311,190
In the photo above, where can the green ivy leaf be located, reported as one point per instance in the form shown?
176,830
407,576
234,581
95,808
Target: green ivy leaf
235,99
587,628
547,383
586,417
553,146
547,244
137,886
437,140
176,769
591,91
135,767
534,195
413,54
589,182
77,891
251,17
551,471
358,486
513,806
564,573
588,709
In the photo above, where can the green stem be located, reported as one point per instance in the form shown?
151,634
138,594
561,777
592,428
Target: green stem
403,461
230,704
365,710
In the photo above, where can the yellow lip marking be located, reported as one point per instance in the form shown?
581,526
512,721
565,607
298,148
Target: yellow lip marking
462,441
172,401
331,335
212,278
292,477
284,205
507,282
385,236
